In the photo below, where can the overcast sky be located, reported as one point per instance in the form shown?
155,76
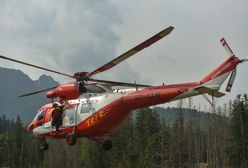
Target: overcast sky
81,35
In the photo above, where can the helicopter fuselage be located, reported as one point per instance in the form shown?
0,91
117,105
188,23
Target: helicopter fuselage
96,115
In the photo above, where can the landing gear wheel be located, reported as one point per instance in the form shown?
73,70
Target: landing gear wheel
107,145
44,145
71,139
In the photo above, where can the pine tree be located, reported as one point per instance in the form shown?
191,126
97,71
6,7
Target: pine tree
165,145
147,126
122,153
4,150
238,145
178,143
190,144
18,143
93,155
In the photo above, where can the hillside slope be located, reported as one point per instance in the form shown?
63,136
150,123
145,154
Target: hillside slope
14,83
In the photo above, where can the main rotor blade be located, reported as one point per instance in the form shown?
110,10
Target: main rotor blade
35,66
131,52
116,83
39,91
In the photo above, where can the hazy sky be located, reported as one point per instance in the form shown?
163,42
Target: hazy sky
81,35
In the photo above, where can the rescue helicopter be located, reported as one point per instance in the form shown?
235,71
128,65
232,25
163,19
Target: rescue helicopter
94,108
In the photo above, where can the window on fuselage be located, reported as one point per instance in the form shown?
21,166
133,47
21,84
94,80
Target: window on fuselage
71,109
94,89
85,108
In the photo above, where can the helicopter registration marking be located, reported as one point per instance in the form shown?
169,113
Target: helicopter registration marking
147,96
95,117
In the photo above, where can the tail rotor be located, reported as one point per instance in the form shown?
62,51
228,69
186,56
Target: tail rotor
234,71
227,48
231,80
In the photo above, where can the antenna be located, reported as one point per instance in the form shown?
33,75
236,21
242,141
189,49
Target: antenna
136,86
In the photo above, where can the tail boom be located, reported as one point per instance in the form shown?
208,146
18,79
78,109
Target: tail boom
221,73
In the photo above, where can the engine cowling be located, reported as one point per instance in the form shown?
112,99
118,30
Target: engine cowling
66,92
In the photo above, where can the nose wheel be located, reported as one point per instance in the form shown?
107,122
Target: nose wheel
71,139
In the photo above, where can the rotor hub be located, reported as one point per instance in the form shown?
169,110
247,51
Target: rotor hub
81,76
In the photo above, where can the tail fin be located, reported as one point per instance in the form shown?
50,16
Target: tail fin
221,73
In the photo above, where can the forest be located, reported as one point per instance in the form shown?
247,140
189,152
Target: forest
147,140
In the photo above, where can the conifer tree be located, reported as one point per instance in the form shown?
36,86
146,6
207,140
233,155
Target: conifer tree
165,145
18,143
93,155
178,143
238,144
190,144
146,136
122,153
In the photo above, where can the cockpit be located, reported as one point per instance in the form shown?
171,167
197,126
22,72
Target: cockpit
40,115
92,88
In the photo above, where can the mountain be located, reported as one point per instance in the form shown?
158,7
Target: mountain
14,83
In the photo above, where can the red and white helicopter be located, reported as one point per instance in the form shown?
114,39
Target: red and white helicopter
95,109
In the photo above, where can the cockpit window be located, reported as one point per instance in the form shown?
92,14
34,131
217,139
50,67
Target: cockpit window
40,115
94,89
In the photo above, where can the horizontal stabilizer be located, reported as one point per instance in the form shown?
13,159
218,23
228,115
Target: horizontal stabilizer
211,90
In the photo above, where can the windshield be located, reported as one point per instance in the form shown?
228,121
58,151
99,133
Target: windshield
39,115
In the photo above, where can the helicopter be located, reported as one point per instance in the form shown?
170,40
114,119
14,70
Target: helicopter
94,108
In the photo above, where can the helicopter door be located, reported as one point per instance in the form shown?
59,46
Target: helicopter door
70,116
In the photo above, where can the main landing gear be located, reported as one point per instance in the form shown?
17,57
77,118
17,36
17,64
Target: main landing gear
71,139
106,145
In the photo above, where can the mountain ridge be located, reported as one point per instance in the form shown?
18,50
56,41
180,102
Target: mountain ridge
14,83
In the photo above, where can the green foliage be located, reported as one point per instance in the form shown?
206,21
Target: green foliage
146,140
178,145
93,155
238,142
146,132
122,154
17,149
